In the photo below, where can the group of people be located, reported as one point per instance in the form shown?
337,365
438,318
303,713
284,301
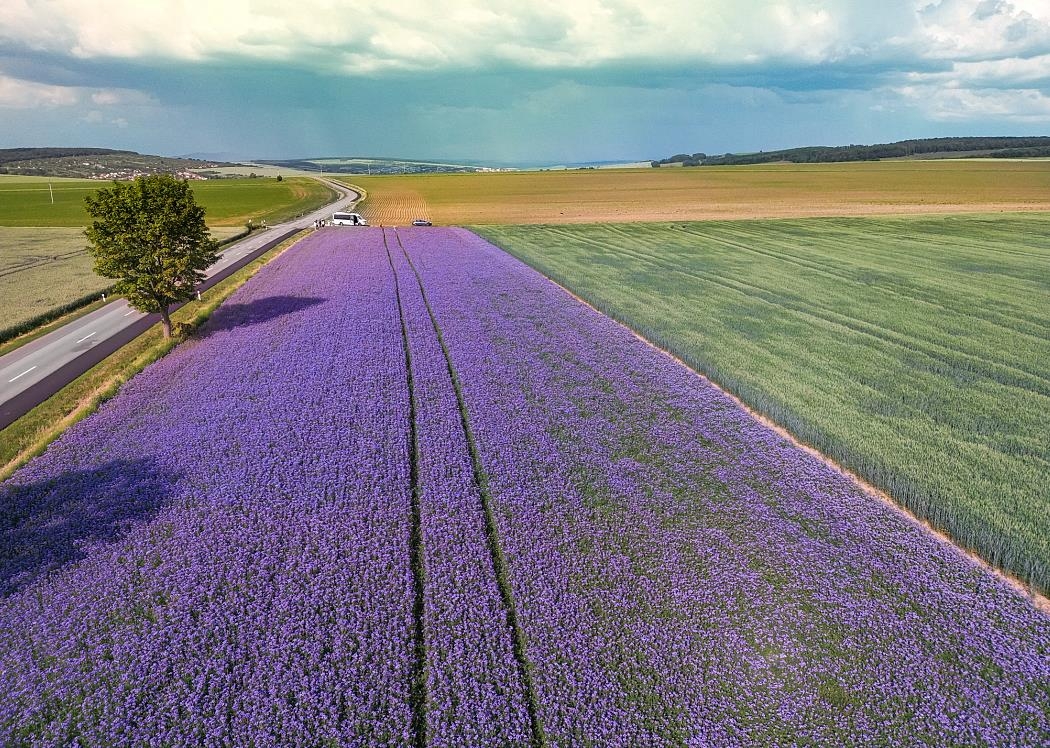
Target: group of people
321,223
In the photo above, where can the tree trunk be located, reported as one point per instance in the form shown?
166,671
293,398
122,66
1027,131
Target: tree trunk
165,320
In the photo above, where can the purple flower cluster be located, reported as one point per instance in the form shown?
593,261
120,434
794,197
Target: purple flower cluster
220,555
288,532
684,575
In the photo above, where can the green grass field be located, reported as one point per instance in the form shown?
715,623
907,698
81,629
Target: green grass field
914,351
26,201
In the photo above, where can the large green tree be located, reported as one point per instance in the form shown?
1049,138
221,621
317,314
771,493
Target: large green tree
150,235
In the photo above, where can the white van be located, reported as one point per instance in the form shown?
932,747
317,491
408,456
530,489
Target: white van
348,219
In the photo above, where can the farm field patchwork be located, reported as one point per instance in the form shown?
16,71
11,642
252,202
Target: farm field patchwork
403,490
914,351
679,194
26,201
45,268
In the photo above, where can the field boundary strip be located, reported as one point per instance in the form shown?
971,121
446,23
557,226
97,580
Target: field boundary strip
416,561
499,561
1039,600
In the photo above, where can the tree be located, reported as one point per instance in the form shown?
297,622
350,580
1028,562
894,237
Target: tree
150,235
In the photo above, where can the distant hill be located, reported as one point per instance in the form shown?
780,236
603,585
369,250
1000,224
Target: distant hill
97,163
971,147
367,165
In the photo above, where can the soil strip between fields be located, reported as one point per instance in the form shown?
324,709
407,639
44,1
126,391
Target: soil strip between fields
499,562
1040,601
418,689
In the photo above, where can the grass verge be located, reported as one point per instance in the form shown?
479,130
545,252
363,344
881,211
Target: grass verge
32,433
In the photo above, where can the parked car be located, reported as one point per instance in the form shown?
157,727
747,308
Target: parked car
421,222
348,219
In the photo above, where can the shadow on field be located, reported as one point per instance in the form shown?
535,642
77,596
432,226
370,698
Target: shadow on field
229,316
53,522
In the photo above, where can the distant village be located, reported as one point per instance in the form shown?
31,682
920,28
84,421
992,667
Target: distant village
86,170
121,174
98,163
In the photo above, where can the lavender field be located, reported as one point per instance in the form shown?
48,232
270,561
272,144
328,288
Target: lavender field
405,491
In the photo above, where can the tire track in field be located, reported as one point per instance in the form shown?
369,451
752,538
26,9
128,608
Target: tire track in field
418,686
1017,322
931,344
499,562
777,252
38,262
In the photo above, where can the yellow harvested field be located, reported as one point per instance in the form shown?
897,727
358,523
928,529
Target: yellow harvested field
767,191
398,206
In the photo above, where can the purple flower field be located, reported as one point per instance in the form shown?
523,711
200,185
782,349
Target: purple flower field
405,491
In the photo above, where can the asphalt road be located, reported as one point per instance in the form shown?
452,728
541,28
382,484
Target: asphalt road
35,371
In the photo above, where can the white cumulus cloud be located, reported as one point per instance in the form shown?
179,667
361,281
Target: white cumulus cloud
952,103
970,55
16,93
21,94
984,29
373,35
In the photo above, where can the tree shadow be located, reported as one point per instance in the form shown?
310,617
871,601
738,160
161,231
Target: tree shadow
229,316
52,522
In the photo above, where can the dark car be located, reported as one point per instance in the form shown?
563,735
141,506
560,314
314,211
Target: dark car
421,222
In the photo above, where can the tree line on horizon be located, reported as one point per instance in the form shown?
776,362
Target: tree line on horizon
969,147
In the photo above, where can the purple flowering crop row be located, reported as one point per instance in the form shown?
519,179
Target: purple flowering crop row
228,579
281,534
219,555
684,575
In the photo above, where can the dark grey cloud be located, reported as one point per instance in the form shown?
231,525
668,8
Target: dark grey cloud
510,81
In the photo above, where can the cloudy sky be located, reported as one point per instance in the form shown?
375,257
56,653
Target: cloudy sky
516,80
